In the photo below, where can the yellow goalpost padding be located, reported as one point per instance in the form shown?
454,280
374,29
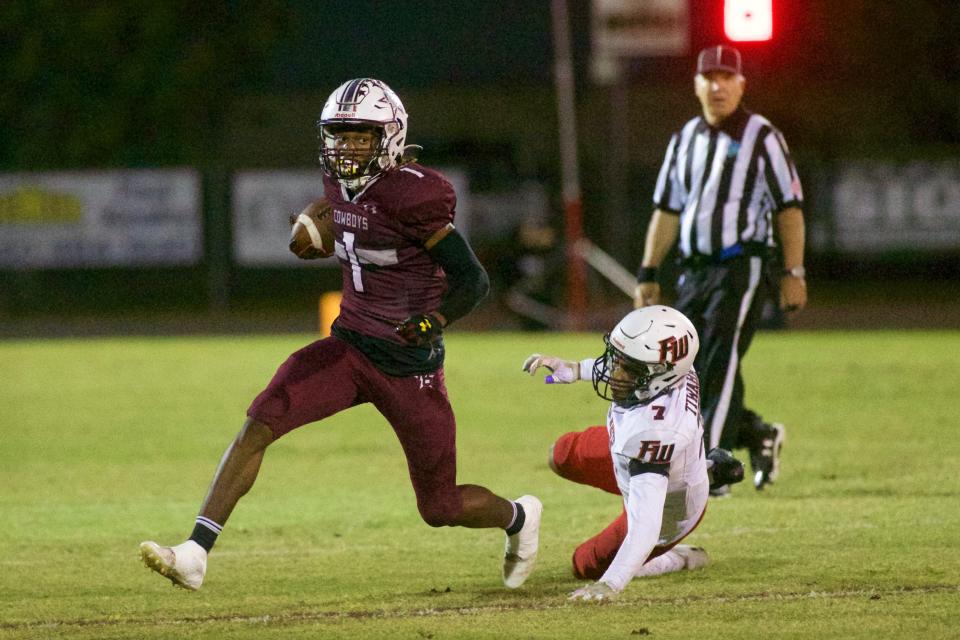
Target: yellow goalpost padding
329,309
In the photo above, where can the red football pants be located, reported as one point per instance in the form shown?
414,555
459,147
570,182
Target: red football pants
584,457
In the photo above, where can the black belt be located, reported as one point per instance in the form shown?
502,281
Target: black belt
739,250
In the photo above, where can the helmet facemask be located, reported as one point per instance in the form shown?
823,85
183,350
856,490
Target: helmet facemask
364,104
353,163
625,380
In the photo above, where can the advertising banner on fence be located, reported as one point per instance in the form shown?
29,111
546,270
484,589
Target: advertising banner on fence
100,219
885,207
263,201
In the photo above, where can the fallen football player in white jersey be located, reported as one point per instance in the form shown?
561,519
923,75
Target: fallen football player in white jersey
650,451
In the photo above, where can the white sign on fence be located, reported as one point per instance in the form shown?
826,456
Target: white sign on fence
262,203
100,219
881,206
636,28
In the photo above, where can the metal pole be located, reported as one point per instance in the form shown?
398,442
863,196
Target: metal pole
217,225
572,204
618,161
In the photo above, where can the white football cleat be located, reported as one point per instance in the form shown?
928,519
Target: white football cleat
185,564
693,557
521,549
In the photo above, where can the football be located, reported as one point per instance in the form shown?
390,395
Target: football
312,234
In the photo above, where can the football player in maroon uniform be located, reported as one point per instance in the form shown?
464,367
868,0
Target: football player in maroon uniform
407,274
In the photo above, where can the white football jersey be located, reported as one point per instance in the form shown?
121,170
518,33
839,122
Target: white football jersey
667,430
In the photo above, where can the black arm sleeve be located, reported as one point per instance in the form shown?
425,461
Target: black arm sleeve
639,466
467,281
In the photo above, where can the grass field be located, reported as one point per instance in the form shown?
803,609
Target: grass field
107,442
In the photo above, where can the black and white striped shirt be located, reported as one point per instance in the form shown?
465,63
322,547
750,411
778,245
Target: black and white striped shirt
726,182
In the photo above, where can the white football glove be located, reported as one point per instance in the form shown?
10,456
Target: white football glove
562,371
594,592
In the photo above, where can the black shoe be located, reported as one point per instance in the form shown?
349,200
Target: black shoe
765,455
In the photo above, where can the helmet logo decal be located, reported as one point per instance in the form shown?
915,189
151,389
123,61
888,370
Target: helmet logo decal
353,94
676,349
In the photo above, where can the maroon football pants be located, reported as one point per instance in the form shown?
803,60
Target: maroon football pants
584,457
329,376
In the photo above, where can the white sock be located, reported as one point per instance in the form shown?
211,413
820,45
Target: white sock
667,563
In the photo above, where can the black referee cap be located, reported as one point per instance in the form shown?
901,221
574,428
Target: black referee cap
720,57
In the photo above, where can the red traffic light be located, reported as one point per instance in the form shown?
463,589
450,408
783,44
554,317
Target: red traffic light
748,20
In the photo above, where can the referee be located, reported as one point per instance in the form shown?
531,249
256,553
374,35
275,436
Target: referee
727,194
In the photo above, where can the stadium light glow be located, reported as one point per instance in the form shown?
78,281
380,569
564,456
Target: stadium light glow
748,20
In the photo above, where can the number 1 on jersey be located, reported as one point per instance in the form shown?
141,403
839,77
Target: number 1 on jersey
348,245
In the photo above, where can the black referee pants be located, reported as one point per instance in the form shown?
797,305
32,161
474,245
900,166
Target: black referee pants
724,301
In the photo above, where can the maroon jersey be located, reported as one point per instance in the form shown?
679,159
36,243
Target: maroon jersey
387,274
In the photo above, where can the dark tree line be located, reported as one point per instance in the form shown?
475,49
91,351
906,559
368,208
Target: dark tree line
125,83
141,83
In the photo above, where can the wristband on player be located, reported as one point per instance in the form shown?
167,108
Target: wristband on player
647,274
586,369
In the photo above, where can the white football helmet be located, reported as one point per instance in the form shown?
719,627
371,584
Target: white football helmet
363,103
649,350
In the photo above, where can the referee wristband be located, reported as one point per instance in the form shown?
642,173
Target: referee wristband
647,274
